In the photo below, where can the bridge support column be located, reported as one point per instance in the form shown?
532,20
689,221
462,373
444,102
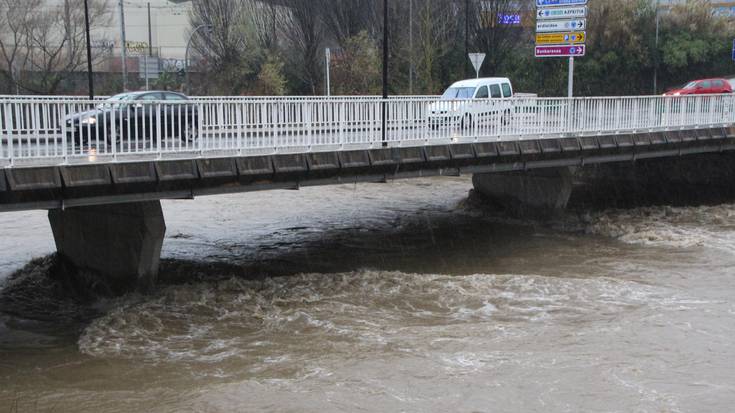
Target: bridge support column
118,244
536,191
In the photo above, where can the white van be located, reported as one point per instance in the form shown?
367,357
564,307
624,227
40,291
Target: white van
473,101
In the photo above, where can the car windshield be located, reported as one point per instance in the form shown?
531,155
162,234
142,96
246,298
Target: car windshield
690,85
459,93
122,97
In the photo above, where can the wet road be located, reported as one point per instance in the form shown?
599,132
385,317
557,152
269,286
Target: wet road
388,297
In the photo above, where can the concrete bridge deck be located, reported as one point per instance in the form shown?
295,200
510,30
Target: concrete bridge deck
67,186
100,168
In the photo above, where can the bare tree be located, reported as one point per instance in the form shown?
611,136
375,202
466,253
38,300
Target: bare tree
15,20
436,26
264,19
304,32
344,19
224,47
40,47
493,34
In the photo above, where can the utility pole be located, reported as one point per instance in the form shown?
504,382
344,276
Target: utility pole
89,51
150,34
385,69
466,33
410,46
123,46
150,51
67,27
655,65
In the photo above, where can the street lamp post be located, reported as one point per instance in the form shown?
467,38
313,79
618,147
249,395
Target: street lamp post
655,64
89,51
410,47
124,46
466,33
186,54
385,69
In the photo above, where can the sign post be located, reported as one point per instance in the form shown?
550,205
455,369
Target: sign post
477,59
560,32
327,66
570,81
149,68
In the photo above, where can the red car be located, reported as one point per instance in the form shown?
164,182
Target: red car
702,87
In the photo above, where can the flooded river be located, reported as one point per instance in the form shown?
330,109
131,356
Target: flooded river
391,297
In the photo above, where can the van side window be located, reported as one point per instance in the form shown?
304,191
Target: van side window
506,91
495,91
718,83
482,93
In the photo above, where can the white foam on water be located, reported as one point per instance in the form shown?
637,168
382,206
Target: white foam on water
305,316
681,227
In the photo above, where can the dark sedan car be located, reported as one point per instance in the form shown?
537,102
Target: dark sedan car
135,117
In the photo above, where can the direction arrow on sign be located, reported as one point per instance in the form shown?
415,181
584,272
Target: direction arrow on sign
561,38
550,26
562,13
545,3
561,51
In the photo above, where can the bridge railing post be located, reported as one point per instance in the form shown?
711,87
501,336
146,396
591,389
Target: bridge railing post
113,132
569,113
9,109
654,107
683,112
200,120
64,139
240,127
713,113
724,116
340,109
159,140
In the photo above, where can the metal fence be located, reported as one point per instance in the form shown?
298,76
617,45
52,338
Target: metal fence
59,98
62,130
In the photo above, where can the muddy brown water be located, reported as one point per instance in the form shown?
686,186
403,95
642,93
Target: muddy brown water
386,298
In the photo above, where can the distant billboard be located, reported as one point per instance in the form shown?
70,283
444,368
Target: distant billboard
509,19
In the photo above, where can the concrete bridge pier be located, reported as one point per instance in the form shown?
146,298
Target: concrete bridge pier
118,245
538,191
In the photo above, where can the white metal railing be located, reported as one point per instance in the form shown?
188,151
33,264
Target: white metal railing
60,98
64,130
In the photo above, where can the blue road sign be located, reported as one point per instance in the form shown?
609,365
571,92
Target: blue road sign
545,3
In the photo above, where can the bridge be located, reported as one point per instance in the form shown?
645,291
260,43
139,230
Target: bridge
102,167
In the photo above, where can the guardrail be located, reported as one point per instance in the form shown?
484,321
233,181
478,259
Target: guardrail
34,131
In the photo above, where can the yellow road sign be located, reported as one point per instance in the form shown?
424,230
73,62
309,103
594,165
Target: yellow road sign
561,38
